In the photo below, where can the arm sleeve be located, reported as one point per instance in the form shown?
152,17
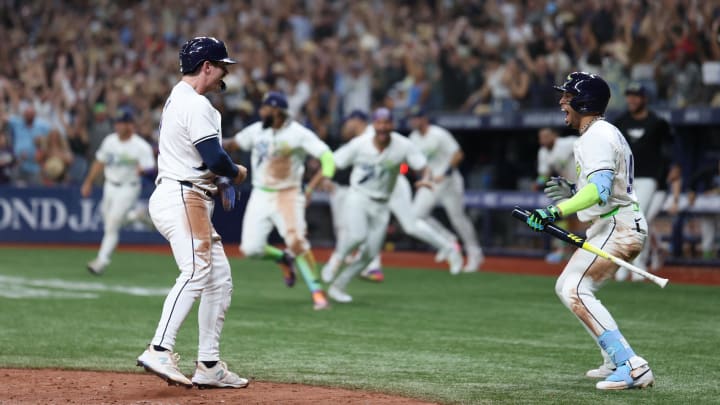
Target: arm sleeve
586,197
327,164
216,159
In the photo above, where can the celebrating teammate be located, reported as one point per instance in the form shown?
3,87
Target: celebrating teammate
279,147
400,206
651,140
555,159
604,197
444,155
189,165
123,157
376,160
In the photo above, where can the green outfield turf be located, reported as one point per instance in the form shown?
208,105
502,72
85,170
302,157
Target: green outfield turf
476,338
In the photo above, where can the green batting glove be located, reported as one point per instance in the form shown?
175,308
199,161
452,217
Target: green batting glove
540,217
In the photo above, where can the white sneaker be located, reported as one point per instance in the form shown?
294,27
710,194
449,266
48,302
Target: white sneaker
164,365
339,295
97,266
455,261
635,373
217,376
601,372
474,261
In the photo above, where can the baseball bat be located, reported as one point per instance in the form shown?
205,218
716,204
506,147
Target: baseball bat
582,243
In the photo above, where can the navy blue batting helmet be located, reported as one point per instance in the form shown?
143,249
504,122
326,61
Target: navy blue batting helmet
199,49
591,93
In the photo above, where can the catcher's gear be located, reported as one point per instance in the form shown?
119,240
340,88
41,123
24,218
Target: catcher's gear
542,216
228,194
558,188
591,93
199,49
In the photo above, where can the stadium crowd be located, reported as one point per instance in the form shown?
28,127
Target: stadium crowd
73,65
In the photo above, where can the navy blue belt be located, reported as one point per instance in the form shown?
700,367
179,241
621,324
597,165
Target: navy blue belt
188,184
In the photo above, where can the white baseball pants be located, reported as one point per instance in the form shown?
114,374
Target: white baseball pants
117,201
450,194
368,222
183,216
621,235
284,209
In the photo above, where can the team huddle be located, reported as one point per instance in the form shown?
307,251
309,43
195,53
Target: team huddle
194,166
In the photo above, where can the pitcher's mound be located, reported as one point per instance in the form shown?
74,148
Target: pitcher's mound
90,387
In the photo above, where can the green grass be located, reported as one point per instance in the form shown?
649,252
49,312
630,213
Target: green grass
478,338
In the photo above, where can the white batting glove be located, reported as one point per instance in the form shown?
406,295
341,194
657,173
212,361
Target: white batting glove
558,188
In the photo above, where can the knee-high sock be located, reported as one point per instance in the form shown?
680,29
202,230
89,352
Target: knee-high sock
305,263
615,345
272,253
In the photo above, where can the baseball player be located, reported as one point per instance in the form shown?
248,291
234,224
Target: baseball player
190,162
606,199
555,158
444,155
376,161
123,157
651,140
279,148
400,206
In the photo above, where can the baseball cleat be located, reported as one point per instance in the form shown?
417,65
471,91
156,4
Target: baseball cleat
217,376
164,365
455,261
287,263
442,254
339,295
474,261
320,300
96,267
601,372
375,275
635,373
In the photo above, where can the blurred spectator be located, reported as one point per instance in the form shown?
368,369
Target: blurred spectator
55,158
99,125
354,88
541,82
7,158
27,134
684,80
707,182
79,143
69,61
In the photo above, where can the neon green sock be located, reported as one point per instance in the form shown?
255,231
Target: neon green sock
271,252
309,273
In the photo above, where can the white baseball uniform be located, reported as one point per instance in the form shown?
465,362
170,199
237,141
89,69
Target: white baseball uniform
617,226
559,159
439,146
372,181
401,208
181,208
278,164
122,162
